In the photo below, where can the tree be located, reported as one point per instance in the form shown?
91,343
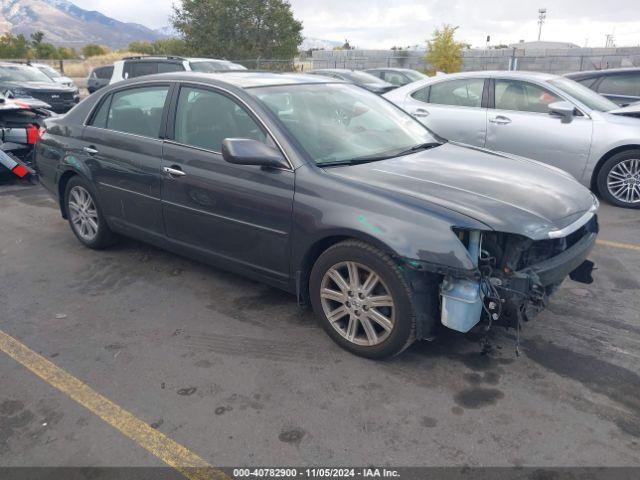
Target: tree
93,50
165,46
444,52
238,29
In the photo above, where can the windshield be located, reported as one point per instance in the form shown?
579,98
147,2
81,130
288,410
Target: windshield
211,66
50,72
414,76
363,77
584,95
340,122
19,73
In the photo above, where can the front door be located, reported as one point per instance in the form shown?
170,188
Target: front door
521,124
235,213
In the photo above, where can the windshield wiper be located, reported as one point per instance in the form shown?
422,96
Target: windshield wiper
377,158
421,146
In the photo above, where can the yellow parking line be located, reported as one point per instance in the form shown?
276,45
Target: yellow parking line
156,443
626,246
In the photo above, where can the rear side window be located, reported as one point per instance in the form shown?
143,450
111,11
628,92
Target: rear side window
139,69
166,67
523,97
465,92
422,95
137,111
626,84
204,118
395,78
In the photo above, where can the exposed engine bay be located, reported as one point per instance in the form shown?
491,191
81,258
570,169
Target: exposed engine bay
514,276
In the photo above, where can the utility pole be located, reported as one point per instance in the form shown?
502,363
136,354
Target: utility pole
542,16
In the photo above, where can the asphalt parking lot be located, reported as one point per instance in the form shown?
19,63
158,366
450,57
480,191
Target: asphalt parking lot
237,373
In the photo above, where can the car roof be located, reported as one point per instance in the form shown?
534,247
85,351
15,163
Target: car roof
601,73
241,79
390,69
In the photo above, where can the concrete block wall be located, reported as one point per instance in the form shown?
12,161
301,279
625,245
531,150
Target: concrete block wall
552,60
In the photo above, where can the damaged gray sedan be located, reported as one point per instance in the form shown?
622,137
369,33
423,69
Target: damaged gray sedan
324,190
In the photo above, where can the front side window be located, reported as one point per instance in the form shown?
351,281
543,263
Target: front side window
335,122
137,111
625,84
523,96
204,118
465,92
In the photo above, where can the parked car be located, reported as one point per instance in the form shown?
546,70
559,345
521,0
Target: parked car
132,67
390,231
357,77
54,75
24,82
20,130
546,117
397,76
620,85
99,77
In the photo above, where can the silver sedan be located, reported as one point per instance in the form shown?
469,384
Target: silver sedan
541,116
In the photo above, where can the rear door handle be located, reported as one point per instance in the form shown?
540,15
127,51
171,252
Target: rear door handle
174,171
90,150
420,113
500,120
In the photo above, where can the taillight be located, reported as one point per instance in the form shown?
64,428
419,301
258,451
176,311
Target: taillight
34,134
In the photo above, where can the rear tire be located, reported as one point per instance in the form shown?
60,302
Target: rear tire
619,179
85,216
363,301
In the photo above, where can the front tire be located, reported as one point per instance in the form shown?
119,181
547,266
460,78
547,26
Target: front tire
363,300
619,179
85,216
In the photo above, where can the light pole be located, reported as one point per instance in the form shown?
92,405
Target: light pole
542,15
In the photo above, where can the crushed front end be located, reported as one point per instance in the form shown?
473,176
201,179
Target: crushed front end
512,278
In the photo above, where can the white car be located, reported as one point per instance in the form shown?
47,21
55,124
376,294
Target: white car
54,75
131,67
545,117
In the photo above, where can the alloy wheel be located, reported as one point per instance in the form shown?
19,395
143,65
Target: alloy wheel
83,213
623,181
357,303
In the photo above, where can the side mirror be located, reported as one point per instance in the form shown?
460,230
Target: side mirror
243,151
563,109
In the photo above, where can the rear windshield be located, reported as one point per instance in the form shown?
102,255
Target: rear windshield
104,72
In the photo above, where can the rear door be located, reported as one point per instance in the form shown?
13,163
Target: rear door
123,148
238,214
521,124
452,108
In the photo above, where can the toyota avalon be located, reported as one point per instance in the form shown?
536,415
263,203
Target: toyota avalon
325,190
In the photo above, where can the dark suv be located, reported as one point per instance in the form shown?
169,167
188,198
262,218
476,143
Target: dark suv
99,77
25,82
620,85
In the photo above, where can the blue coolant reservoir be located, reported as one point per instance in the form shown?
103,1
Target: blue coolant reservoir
461,298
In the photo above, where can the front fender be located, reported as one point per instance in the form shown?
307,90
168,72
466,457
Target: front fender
409,229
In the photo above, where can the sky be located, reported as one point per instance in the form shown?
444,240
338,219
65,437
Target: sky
387,23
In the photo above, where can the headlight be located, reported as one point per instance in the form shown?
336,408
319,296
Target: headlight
16,92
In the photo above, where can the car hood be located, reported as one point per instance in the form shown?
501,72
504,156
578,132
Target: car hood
507,193
38,86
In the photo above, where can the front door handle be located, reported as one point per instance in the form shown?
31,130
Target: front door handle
420,113
90,150
500,120
174,171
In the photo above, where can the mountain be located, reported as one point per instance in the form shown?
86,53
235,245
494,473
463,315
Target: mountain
310,42
68,25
